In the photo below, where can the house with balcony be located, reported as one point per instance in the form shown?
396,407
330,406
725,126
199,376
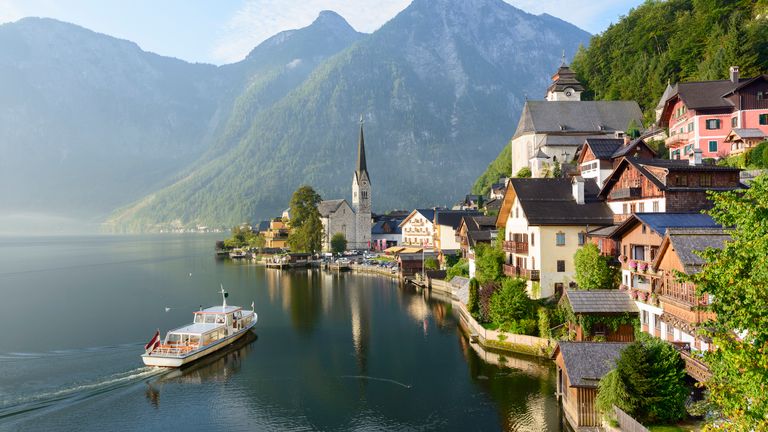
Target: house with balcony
682,315
639,238
600,309
472,231
418,229
599,156
742,140
701,115
659,186
543,222
446,225
580,367
276,237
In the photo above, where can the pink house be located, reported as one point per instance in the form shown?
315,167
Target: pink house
714,116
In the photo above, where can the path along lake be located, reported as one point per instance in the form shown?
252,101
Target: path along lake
330,352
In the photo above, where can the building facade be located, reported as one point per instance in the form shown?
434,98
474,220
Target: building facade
418,229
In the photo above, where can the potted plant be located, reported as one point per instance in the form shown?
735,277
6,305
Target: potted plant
642,267
634,294
633,265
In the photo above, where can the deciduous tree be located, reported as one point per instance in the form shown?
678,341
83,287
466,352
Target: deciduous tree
338,243
592,269
306,229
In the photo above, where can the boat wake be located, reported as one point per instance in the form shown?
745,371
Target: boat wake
365,377
75,393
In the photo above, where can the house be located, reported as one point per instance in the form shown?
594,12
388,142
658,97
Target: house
659,186
742,140
680,251
418,228
580,367
639,239
446,224
472,231
470,202
277,235
385,233
599,156
600,307
354,221
544,222
411,260
701,115
553,129
498,189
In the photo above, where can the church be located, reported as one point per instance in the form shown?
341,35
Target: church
354,221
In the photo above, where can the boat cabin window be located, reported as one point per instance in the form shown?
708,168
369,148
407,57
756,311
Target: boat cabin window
194,340
199,318
210,318
174,338
220,318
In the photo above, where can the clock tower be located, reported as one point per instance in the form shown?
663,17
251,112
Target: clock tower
565,86
361,197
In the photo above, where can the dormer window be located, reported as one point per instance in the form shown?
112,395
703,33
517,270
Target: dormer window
563,127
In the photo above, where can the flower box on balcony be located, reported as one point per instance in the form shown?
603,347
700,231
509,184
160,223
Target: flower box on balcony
633,265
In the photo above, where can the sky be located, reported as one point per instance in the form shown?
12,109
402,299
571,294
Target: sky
224,31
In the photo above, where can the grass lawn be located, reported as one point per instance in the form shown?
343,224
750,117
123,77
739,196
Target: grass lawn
689,427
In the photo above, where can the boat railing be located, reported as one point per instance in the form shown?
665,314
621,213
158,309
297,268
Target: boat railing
175,349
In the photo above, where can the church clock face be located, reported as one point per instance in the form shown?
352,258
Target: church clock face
569,92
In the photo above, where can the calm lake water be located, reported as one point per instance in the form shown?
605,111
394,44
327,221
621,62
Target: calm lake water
330,352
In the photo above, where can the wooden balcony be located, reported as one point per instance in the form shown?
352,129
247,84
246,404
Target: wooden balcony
694,367
627,193
517,272
516,247
678,139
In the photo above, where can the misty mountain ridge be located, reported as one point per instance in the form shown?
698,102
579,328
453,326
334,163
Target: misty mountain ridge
441,86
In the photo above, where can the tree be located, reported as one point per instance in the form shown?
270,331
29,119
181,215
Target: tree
557,170
489,261
473,303
431,263
524,172
306,229
511,308
338,243
461,268
648,383
592,269
736,280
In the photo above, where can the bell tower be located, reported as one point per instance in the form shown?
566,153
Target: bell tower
361,196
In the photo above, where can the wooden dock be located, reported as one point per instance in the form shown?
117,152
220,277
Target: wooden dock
337,267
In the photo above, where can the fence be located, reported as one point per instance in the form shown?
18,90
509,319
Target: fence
627,423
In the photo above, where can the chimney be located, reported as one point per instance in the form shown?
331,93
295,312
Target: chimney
735,74
626,140
577,188
695,159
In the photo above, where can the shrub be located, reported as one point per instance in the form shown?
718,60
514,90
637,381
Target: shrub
524,172
473,304
460,268
511,308
431,263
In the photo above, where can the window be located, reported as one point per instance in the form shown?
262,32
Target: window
655,206
764,119
760,95
643,228
517,212
713,146
560,266
713,124
734,122
600,329
624,208
582,238
533,242
705,180
560,239
638,252
681,180
645,317
690,127
533,263
641,207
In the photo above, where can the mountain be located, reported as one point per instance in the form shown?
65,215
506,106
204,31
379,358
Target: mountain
89,123
672,41
440,86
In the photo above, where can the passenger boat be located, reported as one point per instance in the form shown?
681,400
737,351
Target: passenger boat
212,329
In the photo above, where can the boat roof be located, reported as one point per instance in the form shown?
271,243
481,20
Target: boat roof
218,309
196,328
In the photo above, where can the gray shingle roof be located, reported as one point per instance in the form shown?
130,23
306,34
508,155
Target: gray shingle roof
688,242
547,201
564,117
600,301
604,148
453,218
749,133
329,206
588,362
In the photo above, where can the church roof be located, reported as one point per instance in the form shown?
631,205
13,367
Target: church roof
362,167
329,206
564,78
577,117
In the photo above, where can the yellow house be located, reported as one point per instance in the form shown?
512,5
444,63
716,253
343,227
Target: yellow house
277,235
544,222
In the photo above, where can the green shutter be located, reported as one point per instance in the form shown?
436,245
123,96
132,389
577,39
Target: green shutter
713,146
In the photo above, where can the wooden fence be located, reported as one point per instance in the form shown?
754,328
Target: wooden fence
627,423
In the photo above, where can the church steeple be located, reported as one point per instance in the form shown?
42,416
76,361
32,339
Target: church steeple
362,168
565,86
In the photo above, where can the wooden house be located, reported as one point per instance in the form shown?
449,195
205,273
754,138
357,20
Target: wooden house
580,367
600,307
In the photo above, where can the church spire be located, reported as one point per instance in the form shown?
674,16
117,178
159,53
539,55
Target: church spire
361,165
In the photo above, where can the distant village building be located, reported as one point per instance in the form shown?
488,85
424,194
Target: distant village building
472,231
717,117
418,229
385,234
277,235
544,222
446,225
554,129
354,221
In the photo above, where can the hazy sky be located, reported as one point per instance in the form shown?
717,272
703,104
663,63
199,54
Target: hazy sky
224,31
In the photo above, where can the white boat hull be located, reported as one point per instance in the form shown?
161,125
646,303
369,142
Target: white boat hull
174,361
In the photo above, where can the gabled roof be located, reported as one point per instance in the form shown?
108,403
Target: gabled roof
328,207
428,214
600,301
604,148
548,201
688,243
703,95
564,78
668,165
660,222
452,218
745,133
386,227
586,363
573,117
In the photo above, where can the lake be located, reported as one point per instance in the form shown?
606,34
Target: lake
330,352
